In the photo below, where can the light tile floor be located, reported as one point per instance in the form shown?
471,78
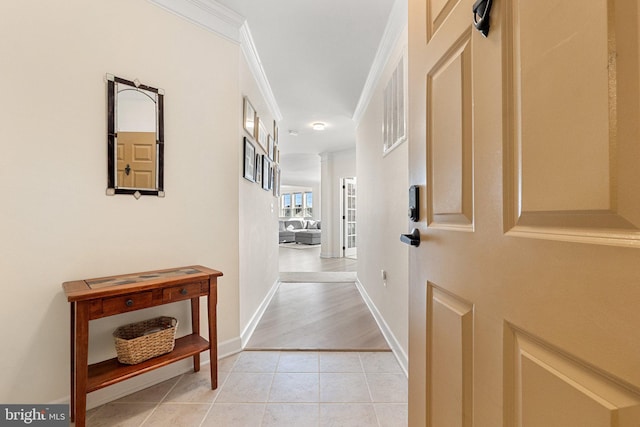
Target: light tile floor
272,388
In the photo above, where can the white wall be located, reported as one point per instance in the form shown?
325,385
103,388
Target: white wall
382,203
258,218
56,223
334,166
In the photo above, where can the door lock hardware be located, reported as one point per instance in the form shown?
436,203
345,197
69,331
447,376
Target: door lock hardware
481,14
412,239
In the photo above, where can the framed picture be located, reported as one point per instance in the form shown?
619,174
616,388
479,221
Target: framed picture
266,173
276,181
250,118
275,132
263,136
249,160
258,173
270,148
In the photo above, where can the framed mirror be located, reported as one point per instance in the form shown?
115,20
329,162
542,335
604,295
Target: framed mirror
135,138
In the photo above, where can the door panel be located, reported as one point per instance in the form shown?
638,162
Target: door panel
138,151
574,93
546,388
449,143
449,359
438,12
531,132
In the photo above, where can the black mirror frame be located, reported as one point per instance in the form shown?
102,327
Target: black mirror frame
112,135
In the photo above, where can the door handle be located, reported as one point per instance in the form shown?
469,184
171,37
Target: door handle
412,239
127,170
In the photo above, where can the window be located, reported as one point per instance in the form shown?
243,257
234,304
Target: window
308,204
394,129
297,200
296,205
286,205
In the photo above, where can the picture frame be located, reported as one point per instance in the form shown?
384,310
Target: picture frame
249,168
270,148
276,181
266,173
275,133
263,136
258,167
249,118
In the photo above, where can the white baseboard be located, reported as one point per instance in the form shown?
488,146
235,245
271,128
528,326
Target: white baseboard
255,319
397,349
229,347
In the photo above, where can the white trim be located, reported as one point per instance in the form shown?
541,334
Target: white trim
246,334
229,347
208,14
232,26
396,348
255,65
395,27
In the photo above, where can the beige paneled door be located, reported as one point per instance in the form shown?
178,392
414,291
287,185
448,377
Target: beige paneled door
525,290
136,156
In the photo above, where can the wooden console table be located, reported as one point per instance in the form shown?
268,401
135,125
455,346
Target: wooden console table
96,298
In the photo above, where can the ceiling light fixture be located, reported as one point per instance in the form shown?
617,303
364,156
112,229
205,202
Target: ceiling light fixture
318,126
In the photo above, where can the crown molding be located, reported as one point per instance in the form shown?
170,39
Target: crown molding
396,26
232,26
207,14
255,65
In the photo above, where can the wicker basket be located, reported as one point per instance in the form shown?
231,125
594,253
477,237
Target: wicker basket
144,340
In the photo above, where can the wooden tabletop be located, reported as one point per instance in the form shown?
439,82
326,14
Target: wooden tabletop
79,290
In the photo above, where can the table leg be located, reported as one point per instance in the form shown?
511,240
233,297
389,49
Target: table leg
81,355
212,300
72,369
195,328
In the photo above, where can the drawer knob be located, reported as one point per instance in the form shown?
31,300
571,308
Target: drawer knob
129,303
183,291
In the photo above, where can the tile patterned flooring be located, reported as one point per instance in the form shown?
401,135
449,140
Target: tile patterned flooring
272,388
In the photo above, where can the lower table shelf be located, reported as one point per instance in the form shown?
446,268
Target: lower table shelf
111,371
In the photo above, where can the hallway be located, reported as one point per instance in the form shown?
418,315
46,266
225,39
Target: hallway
317,307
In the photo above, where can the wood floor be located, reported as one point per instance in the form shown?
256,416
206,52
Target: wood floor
297,258
317,307
317,316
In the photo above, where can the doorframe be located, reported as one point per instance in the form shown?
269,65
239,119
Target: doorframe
343,219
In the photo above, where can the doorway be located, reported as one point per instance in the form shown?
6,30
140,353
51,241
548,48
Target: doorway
348,226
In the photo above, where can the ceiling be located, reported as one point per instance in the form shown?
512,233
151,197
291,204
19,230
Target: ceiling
316,56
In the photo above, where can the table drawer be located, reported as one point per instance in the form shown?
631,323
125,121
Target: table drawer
125,303
181,292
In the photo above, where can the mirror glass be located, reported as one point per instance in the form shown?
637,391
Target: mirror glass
135,138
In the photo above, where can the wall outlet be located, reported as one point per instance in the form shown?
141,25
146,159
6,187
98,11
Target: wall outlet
383,274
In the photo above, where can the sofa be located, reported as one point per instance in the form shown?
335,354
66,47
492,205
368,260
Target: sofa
298,230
